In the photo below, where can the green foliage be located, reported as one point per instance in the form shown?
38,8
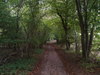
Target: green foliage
20,22
38,51
89,66
7,23
17,66
20,66
36,21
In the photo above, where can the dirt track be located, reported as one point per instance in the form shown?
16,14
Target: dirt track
52,65
56,62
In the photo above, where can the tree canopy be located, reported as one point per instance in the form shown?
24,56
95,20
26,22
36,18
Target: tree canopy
30,23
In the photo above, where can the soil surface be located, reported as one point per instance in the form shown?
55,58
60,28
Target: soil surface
55,62
52,65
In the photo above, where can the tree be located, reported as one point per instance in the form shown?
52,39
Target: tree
84,8
65,10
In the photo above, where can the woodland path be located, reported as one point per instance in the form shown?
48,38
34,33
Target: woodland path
55,62
51,63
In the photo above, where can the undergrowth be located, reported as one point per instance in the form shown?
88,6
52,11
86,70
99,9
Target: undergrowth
89,66
21,66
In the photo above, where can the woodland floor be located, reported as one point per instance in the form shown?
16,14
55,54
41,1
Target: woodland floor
56,62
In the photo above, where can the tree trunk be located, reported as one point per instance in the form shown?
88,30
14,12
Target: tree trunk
76,42
67,45
83,26
90,40
65,26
